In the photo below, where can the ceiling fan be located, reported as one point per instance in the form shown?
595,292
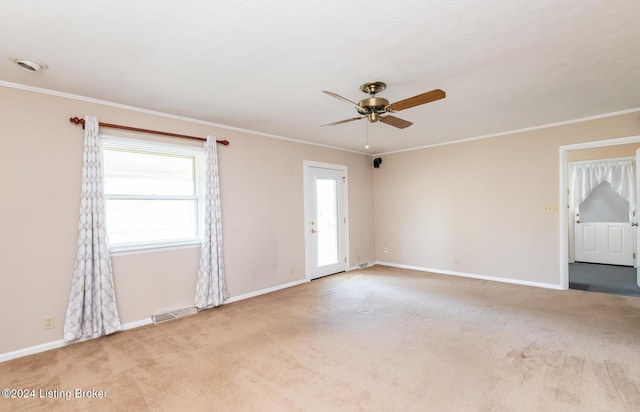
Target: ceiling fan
376,109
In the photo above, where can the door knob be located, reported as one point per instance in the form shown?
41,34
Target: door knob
634,224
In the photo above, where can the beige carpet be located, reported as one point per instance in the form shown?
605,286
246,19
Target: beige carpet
378,339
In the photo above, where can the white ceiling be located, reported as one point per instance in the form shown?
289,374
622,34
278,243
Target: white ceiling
261,66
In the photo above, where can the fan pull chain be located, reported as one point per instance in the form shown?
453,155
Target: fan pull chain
366,143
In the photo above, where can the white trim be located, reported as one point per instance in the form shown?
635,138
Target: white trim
166,115
265,291
526,129
61,343
564,228
564,204
472,275
123,250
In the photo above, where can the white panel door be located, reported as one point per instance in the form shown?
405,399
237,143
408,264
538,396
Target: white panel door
326,220
610,243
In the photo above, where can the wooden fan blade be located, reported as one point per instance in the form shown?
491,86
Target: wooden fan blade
395,122
343,121
344,99
423,98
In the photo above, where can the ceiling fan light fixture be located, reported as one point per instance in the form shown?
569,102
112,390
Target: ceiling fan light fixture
373,117
30,65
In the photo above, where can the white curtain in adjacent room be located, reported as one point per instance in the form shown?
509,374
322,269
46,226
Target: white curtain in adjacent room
585,177
92,307
211,289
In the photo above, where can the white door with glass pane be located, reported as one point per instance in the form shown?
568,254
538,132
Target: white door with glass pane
326,219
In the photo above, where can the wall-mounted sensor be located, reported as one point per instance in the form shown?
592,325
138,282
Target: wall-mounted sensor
29,64
377,162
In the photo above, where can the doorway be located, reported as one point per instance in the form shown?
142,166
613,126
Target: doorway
603,252
597,273
326,223
601,216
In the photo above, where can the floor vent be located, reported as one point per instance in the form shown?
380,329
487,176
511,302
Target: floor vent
163,317
363,265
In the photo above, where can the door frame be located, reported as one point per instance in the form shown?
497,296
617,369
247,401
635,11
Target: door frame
344,205
563,197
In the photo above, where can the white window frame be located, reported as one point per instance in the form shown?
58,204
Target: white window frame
121,143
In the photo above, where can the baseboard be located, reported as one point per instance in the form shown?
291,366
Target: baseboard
265,291
60,343
473,276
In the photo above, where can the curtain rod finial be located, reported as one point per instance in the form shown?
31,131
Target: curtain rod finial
77,120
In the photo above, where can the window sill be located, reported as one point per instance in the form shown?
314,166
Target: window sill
122,250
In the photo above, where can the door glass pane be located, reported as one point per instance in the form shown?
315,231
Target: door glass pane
327,207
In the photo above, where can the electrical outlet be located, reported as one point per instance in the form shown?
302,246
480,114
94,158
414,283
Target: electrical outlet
48,323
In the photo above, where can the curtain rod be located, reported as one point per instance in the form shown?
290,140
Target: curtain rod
608,160
77,120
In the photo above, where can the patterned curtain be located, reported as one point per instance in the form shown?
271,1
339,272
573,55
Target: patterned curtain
211,289
92,307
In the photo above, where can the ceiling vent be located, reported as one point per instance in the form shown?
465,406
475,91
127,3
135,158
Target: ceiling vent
29,64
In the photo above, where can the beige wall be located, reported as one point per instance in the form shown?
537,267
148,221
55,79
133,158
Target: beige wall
262,206
475,207
478,207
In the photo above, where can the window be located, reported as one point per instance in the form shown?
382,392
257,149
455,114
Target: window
152,194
